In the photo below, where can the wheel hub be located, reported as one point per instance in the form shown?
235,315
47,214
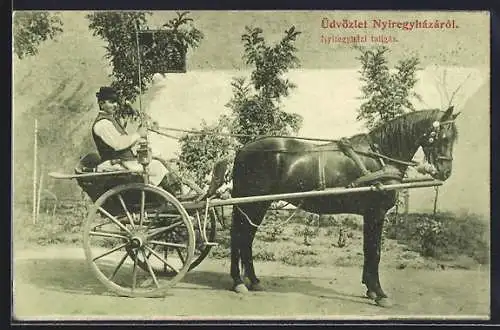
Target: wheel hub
138,240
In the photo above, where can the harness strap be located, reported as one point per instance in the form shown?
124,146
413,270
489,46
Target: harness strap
346,147
375,147
392,160
384,173
321,171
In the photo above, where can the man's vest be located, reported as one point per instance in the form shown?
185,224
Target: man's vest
105,151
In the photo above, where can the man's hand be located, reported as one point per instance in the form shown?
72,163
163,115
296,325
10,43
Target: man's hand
426,168
154,125
142,131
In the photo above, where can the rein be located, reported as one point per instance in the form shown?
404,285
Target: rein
234,135
364,153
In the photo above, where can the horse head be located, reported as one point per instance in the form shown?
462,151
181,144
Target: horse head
437,144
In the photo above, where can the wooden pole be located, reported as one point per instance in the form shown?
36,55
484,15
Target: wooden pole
40,184
35,155
436,200
306,194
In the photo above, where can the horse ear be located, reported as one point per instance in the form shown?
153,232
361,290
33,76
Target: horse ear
455,115
447,113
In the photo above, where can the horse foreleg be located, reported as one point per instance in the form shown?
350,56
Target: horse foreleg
372,240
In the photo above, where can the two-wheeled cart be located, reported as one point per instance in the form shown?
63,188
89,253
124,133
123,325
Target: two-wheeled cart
140,240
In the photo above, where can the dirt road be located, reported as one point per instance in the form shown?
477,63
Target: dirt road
56,283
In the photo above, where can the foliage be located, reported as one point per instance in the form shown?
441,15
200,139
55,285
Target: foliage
30,29
442,236
386,94
272,227
63,227
255,106
200,152
119,30
301,257
309,230
255,109
270,61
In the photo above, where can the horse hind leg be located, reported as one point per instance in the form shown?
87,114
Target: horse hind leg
238,284
245,221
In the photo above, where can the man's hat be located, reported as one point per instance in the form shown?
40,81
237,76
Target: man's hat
107,93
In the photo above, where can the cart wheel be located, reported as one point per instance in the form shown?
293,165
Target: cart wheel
116,245
201,250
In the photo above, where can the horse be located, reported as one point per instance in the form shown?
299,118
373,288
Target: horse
275,165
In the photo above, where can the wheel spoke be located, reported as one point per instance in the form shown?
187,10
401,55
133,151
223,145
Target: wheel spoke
143,202
134,271
162,259
118,266
102,224
122,202
107,234
150,269
174,245
166,215
180,255
160,230
111,251
112,218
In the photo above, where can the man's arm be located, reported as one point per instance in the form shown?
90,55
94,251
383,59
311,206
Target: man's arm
108,133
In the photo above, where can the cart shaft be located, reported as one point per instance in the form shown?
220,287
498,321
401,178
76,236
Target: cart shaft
307,194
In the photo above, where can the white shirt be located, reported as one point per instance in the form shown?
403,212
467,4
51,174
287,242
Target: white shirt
110,135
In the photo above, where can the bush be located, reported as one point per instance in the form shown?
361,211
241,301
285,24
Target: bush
443,236
272,227
353,222
63,227
301,257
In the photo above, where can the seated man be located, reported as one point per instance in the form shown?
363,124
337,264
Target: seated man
114,144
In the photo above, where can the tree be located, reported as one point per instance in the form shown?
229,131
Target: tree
30,29
168,44
386,94
255,106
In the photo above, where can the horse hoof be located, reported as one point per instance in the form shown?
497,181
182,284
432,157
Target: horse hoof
384,302
240,288
370,294
256,287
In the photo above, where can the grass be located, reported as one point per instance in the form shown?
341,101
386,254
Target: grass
411,241
445,236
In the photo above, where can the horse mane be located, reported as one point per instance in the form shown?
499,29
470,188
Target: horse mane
400,133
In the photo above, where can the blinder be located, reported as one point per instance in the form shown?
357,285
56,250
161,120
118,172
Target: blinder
431,138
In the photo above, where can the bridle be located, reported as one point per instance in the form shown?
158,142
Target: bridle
431,138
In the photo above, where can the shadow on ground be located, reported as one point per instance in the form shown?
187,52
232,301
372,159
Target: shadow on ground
66,275
74,276
276,284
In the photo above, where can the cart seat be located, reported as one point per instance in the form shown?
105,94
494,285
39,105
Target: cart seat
88,163
96,186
